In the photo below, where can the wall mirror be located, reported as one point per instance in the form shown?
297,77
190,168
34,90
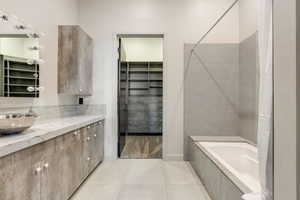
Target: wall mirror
19,58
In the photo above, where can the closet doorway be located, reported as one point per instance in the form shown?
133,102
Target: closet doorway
140,96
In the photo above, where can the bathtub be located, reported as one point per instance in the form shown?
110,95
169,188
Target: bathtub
227,169
240,159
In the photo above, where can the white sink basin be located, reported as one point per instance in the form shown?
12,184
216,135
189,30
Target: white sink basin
15,123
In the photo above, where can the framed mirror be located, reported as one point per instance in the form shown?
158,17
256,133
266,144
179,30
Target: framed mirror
19,58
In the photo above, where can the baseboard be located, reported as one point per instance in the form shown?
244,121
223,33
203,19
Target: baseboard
142,134
173,157
110,158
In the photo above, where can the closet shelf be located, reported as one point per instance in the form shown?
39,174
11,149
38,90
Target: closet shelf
156,86
138,88
19,85
20,70
20,92
19,77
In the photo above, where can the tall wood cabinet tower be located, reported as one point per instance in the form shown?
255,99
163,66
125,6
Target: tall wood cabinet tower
75,61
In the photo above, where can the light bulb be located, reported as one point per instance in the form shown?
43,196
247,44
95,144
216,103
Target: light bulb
35,48
35,61
20,27
30,89
40,89
40,61
3,16
35,34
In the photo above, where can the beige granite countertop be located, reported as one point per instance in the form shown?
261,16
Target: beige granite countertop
45,131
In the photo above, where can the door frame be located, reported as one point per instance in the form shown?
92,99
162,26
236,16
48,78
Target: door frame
115,55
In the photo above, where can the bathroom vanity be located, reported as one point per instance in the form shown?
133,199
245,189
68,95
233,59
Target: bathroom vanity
51,160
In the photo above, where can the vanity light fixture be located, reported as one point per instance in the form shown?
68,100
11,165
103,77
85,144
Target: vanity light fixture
3,16
40,89
30,89
31,33
35,48
34,89
35,61
21,27
35,35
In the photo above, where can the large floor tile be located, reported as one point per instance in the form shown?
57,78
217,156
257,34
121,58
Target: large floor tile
142,180
186,192
92,191
178,173
143,192
111,172
145,172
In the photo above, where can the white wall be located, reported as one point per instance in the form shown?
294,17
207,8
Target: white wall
44,16
286,95
180,22
143,49
248,18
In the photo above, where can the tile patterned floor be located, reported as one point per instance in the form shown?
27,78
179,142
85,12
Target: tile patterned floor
142,180
142,147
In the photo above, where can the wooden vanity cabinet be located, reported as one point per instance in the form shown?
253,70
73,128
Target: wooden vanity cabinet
52,170
6,178
86,151
99,128
27,169
94,148
72,161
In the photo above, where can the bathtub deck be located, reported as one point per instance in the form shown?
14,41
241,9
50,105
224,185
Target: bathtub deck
219,139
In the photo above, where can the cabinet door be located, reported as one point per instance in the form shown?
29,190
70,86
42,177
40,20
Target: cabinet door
6,178
100,141
75,61
27,173
85,62
71,162
86,152
94,146
51,179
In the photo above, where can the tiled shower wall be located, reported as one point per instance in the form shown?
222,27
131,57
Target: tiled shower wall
221,90
248,88
211,91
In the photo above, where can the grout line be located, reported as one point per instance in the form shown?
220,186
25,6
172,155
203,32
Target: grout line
165,189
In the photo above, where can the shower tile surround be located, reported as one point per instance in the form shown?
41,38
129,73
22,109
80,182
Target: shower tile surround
248,88
222,83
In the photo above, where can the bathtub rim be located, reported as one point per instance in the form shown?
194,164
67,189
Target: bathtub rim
226,172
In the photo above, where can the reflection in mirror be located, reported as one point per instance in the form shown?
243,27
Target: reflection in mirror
19,75
19,58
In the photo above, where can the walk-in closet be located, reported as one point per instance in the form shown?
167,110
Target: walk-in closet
140,97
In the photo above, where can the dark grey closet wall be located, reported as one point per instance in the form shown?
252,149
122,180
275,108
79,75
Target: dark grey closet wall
142,89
